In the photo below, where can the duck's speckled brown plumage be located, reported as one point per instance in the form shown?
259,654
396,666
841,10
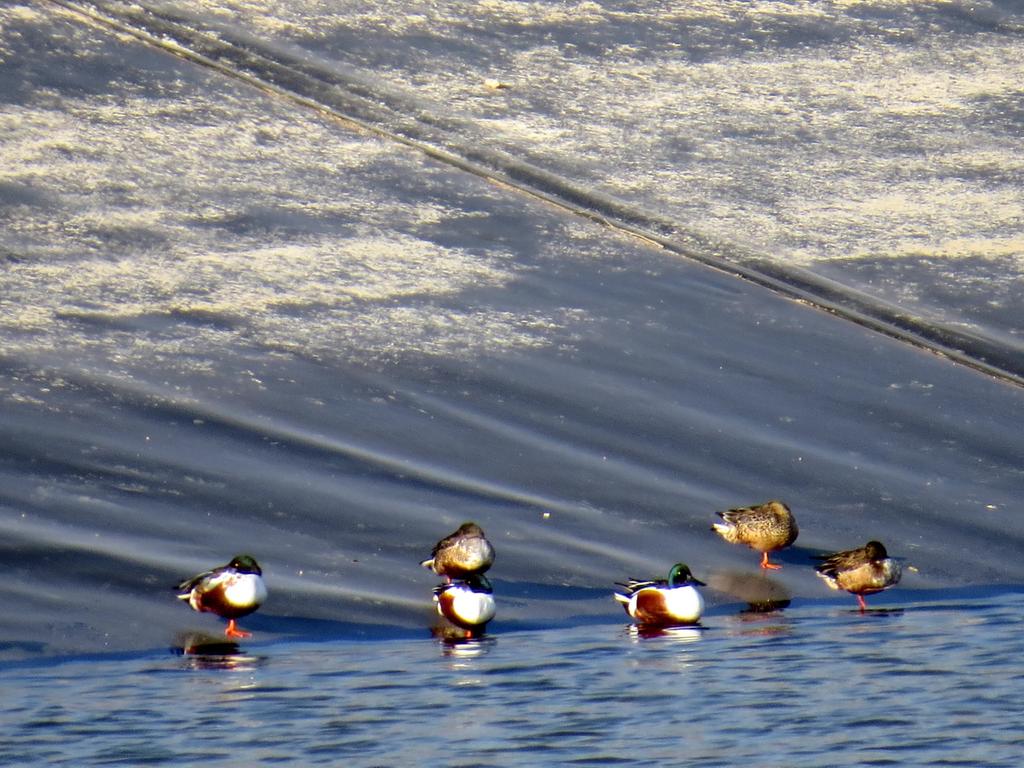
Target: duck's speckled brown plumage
863,571
764,527
461,555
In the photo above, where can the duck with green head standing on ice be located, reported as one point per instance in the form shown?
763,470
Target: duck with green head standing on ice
231,591
466,603
663,602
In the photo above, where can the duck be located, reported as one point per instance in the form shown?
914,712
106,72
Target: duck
863,571
462,554
764,527
231,591
467,603
664,602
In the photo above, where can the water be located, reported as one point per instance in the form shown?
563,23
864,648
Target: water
816,684
230,322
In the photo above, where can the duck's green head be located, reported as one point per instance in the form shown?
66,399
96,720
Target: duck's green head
478,583
245,564
680,576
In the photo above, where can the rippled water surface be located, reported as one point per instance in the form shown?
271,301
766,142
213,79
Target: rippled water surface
916,683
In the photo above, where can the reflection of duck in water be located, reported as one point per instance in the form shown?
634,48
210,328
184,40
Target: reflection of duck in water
765,527
684,634
467,603
198,643
862,571
465,553
201,650
663,602
761,593
230,591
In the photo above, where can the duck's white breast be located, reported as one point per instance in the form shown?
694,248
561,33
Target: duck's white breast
473,607
685,603
244,589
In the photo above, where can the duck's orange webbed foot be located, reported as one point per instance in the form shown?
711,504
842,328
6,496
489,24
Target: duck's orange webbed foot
233,630
769,566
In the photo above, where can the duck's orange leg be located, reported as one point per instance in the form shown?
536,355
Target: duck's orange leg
862,603
234,631
769,566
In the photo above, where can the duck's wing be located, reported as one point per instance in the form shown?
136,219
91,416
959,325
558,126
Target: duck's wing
755,516
841,561
448,541
205,578
631,586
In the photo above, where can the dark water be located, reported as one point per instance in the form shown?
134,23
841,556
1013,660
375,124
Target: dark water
815,685
231,323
